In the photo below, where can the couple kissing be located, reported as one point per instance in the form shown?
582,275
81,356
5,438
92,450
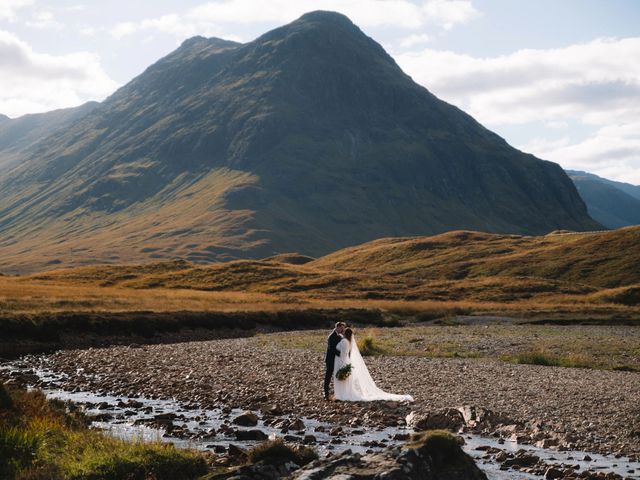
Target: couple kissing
345,366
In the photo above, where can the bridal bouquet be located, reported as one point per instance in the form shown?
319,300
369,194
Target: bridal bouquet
344,372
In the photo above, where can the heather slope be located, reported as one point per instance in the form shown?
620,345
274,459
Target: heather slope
603,259
462,265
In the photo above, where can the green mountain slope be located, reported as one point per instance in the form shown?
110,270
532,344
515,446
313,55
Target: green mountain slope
309,138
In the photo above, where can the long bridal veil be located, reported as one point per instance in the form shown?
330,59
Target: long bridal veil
364,388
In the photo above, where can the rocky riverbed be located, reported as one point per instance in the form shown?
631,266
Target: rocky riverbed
591,410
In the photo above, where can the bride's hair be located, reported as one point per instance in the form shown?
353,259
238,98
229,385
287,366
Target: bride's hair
348,333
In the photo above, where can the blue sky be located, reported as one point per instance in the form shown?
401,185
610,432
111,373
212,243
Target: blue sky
560,79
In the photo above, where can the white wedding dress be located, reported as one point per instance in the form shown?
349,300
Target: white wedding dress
359,386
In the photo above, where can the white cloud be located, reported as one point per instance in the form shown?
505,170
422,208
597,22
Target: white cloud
220,16
88,31
44,20
36,82
612,152
449,12
414,40
9,8
594,84
592,81
79,7
558,124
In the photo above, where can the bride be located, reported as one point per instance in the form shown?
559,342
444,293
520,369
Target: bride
358,386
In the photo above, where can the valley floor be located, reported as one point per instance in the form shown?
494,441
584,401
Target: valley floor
585,409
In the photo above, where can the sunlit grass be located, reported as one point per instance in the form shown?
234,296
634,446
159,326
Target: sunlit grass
39,439
277,452
580,346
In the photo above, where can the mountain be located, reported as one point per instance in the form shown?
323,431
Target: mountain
20,134
309,138
613,204
628,188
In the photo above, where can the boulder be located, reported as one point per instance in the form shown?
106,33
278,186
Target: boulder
309,439
274,410
245,435
445,419
247,419
522,460
235,452
165,416
296,425
428,456
552,473
478,418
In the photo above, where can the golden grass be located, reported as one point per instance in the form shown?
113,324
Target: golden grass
606,259
457,273
20,296
35,297
591,346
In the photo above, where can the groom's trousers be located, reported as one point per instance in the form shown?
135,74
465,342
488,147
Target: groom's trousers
327,378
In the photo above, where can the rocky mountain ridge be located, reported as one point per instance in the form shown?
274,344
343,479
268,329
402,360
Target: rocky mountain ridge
309,139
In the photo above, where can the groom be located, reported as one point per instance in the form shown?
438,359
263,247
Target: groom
332,353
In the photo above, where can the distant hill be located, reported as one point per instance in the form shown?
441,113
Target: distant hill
21,134
460,265
613,204
308,139
628,188
606,259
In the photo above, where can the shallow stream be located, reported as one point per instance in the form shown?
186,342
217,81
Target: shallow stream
205,429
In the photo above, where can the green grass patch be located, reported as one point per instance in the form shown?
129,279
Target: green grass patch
540,357
132,460
49,439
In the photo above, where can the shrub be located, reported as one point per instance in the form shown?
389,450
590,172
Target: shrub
18,449
5,398
537,358
276,452
368,346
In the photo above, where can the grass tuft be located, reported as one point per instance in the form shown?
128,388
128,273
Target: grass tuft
277,452
18,448
369,346
541,357
159,461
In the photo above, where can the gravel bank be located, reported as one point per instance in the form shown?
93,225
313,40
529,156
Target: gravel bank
581,409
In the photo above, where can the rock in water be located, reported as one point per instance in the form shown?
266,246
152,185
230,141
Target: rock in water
248,435
247,419
431,455
447,419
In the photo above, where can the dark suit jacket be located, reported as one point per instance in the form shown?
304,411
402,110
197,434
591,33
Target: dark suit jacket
332,343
